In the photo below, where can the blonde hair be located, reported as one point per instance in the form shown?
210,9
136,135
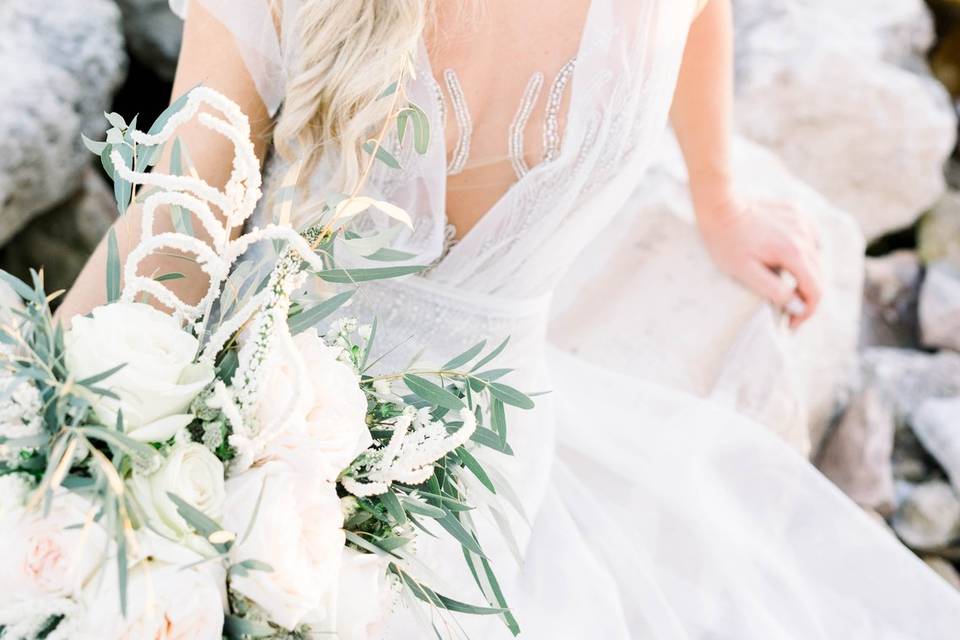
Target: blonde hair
349,52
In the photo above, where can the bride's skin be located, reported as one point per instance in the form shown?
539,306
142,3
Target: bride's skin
747,240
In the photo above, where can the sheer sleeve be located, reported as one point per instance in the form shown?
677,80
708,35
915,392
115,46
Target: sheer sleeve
263,30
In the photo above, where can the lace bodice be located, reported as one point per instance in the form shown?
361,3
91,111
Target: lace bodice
617,90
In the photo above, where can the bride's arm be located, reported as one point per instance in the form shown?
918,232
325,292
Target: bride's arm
210,57
747,240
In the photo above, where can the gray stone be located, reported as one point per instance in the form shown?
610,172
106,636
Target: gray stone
940,306
929,516
60,61
890,293
153,34
857,455
937,425
911,377
61,240
840,91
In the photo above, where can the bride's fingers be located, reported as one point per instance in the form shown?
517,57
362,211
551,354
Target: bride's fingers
767,283
806,269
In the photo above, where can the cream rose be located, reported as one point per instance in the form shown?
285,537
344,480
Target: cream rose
297,531
52,556
328,430
191,472
365,596
159,379
165,601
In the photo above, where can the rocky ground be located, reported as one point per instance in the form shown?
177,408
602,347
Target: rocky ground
837,110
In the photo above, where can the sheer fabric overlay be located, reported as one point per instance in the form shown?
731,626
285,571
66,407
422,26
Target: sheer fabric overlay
649,513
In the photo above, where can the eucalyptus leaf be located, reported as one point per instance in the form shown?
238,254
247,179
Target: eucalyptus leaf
393,506
432,393
509,395
113,267
122,190
349,276
115,119
476,468
413,505
312,316
490,356
465,357
94,146
381,154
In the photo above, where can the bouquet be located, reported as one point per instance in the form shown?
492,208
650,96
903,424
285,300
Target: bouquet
224,469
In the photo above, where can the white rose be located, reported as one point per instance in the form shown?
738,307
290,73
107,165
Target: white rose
329,429
191,472
52,556
160,379
165,601
297,531
365,597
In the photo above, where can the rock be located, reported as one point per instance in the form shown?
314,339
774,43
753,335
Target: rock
937,426
61,240
940,306
938,235
689,326
60,61
153,34
857,455
929,516
890,294
945,570
911,377
838,89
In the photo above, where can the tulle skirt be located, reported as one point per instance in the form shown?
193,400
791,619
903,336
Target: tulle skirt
669,517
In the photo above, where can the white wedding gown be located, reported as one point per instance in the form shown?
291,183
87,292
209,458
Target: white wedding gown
653,514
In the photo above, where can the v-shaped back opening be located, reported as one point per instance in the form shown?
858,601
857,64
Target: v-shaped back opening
548,99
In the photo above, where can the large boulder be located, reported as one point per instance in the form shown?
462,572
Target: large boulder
153,34
60,61
840,91
646,299
60,240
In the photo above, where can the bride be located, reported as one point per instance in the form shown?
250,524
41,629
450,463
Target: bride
648,513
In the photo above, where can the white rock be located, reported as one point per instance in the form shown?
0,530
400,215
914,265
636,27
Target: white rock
647,300
857,455
60,61
937,425
153,34
940,306
910,377
929,516
838,89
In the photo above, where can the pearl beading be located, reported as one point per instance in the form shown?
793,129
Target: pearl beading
464,124
551,126
515,140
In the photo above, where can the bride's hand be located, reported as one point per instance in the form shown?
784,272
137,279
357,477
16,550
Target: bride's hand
756,241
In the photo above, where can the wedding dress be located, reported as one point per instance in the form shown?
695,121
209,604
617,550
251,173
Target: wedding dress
649,513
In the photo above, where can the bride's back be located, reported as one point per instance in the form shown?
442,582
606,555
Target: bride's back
504,70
